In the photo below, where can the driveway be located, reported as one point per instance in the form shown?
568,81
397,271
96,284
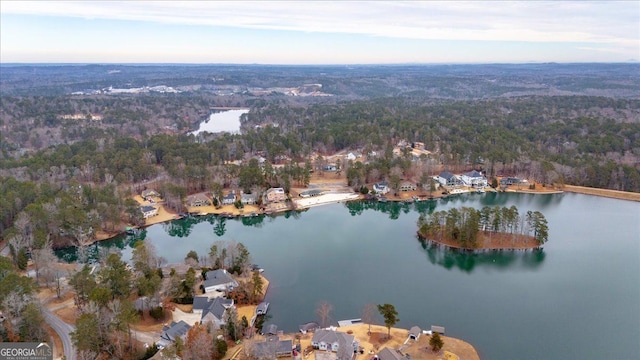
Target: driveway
63,329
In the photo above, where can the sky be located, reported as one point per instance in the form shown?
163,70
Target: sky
319,32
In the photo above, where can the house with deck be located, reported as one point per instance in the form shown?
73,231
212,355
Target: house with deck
148,211
273,348
474,179
274,195
447,178
343,344
248,199
197,200
219,280
171,332
408,186
381,187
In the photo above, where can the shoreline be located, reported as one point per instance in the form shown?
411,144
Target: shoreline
308,203
487,244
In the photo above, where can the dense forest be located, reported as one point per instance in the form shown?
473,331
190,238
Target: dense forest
69,162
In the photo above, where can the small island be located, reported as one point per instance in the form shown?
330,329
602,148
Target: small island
491,228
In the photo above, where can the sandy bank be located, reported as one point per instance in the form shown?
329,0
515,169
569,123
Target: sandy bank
324,199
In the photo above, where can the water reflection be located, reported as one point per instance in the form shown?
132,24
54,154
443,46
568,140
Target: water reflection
467,261
394,208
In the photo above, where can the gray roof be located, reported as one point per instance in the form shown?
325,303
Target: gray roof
271,347
218,277
446,175
270,329
262,308
311,326
175,330
474,174
415,331
143,303
230,196
200,303
248,196
147,208
217,307
345,341
389,354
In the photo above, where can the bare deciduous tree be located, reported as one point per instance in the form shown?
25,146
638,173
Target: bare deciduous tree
324,313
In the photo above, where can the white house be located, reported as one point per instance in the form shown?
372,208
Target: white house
149,211
474,179
219,280
229,199
351,156
344,345
381,187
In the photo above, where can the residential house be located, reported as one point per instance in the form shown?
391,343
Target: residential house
273,348
389,354
330,168
414,333
446,178
248,199
344,345
474,179
262,308
381,187
351,156
214,314
145,303
172,332
437,329
219,280
198,200
148,211
408,186
511,181
149,193
229,199
275,195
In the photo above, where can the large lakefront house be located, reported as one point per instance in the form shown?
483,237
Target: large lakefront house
343,344
275,195
212,310
219,280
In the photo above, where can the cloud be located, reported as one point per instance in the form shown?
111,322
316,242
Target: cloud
532,21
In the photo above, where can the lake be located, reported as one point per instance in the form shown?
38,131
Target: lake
223,121
578,298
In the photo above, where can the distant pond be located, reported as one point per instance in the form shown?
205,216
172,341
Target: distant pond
578,298
222,121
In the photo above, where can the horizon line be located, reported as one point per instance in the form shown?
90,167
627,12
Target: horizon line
631,61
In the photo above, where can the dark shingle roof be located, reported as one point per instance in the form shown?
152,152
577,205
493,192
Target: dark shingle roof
175,330
218,277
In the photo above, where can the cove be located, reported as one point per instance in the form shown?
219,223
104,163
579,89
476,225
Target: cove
223,121
559,302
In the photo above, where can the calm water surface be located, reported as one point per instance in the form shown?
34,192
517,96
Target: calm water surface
579,298
227,121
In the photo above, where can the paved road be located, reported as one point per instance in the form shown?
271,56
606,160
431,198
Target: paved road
63,329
